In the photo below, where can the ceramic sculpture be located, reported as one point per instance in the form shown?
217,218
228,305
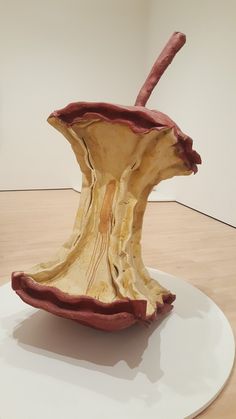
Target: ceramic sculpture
98,277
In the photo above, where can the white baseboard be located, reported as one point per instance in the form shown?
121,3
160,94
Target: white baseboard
76,188
156,196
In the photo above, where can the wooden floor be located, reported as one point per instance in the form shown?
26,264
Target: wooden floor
176,239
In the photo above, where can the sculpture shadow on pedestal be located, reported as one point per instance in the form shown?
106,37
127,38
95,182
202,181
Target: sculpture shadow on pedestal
122,355
56,337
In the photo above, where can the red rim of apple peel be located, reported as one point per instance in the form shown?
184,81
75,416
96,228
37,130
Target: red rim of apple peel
138,118
87,310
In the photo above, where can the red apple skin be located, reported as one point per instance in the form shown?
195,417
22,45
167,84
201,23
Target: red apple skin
86,310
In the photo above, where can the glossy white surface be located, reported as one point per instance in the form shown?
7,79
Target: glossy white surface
55,368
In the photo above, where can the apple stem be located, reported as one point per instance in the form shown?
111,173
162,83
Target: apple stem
175,43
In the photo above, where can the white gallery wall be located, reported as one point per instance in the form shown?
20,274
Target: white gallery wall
59,51
198,91
54,52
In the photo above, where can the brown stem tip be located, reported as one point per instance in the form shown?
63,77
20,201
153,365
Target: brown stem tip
175,43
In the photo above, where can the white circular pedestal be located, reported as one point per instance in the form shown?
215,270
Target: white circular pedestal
53,368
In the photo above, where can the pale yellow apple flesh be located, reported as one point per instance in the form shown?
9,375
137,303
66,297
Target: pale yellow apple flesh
102,257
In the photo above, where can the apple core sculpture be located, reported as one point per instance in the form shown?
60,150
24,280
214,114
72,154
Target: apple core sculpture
98,277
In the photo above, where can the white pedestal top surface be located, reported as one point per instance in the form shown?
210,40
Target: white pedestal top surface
53,368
